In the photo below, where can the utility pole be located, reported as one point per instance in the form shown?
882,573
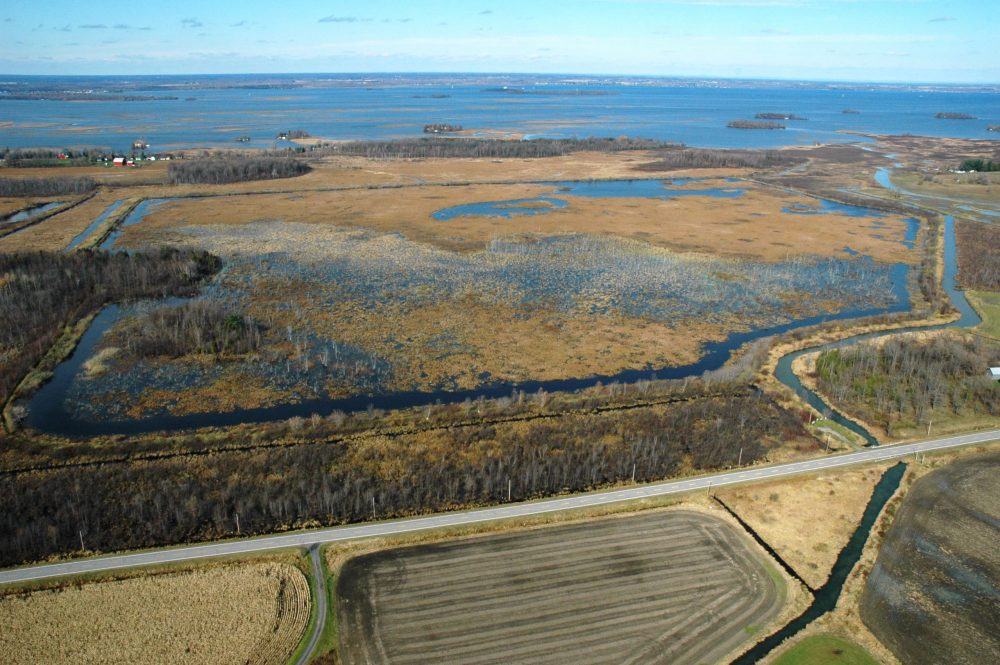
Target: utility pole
929,423
237,523
508,490
83,548
633,472
740,461
373,506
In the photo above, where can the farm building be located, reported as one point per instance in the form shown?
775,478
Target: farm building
118,161
995,373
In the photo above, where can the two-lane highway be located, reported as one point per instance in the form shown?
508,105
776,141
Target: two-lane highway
515,510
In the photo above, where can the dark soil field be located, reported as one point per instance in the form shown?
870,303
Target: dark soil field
934,593
672,587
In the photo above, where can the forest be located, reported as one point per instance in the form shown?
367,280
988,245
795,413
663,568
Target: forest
434,147
696,158
219,171
978,255
982,165
198,327
155,502
908,379
51,186
41,292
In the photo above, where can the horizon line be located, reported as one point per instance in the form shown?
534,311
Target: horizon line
666,77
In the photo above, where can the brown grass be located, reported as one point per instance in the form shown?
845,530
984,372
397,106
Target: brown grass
752,225
55,233
807,520
252,613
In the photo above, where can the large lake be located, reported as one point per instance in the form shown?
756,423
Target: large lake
351,107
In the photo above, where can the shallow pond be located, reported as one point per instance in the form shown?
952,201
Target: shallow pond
600,189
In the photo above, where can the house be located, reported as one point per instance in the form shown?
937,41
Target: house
995,373
139,144
118,161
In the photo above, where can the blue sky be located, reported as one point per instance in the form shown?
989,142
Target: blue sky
858,40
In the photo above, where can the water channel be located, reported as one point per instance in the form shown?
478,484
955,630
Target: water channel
825,598
30,213
968,318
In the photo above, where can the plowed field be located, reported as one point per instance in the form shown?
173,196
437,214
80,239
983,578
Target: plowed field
674,587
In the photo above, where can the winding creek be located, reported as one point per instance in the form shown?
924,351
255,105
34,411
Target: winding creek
968,318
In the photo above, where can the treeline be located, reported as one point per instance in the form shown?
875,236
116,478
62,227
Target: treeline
198,327
433,147
218,171
907,379
694,158
980,165
41,292
196,498
22,157
51,186
978,255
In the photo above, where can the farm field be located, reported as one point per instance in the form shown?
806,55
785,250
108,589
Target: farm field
931,595
250,614
809,520
670,587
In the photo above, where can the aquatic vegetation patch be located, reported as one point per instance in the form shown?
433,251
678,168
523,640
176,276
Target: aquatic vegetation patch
354,311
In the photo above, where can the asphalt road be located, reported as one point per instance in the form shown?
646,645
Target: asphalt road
590,499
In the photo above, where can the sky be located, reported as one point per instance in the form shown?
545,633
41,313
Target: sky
847,40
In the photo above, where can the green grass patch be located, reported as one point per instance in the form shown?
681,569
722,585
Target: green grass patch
817,429
987,303
825,650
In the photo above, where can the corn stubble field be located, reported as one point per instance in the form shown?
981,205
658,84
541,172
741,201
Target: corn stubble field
673,587
251,614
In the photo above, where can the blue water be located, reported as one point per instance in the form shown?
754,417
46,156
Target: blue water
75,242
646,188
137,215
603,189
512,208
384,106
30,213
968,318
824,207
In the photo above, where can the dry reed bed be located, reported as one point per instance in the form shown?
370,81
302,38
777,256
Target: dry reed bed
247,614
